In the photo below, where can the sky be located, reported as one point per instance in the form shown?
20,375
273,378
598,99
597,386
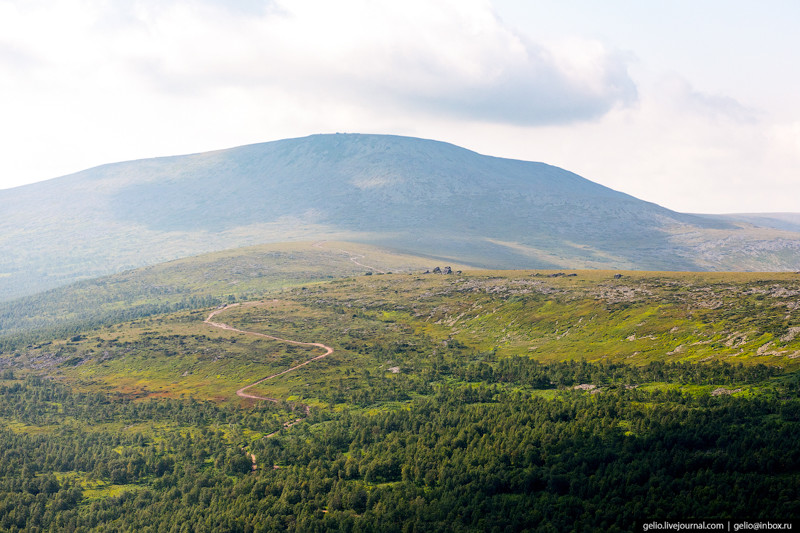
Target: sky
691,105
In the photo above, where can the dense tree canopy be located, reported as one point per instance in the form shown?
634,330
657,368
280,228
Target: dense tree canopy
480,457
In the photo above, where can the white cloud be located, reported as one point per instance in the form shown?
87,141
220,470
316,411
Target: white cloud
443,58
683,149
678,94
87,82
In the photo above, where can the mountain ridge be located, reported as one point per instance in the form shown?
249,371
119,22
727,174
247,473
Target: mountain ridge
418,196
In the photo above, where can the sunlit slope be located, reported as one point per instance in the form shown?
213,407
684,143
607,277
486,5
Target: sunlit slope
407,329
420,196
194,282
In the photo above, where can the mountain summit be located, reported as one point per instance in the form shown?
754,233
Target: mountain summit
419,196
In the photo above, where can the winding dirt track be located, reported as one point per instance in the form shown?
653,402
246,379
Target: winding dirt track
241,392
353,257
328,350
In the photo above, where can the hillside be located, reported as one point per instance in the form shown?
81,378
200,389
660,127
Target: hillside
378,322
191,283
781,221
418,196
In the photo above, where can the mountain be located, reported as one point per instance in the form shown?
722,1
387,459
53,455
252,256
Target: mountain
417,196
782,221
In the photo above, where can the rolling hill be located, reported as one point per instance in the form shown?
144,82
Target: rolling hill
191,283
417,196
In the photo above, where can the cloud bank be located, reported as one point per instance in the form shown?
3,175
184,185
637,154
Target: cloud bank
453,58
86,82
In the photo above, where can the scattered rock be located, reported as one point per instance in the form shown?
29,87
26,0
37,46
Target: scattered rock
736,339
790,336
617,293
723,390
585,386
764,349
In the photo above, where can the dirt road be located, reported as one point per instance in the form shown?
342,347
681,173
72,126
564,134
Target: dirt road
241,392
353,257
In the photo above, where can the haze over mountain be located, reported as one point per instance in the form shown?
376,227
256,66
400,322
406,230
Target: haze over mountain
418,196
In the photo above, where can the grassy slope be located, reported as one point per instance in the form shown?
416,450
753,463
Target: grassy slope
420,322
196,282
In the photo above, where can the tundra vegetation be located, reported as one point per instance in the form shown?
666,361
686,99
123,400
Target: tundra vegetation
478,401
